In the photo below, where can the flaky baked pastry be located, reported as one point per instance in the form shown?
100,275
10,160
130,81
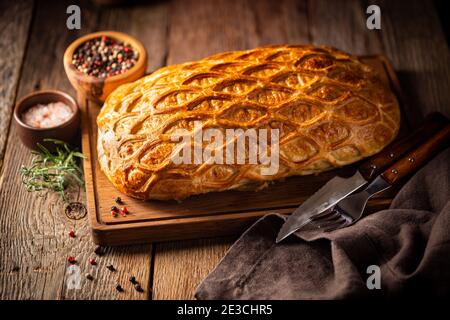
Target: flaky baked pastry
329,108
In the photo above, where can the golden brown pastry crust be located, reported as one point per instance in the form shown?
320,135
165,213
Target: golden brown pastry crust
330,108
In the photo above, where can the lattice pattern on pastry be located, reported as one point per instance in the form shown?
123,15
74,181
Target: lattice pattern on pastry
330,108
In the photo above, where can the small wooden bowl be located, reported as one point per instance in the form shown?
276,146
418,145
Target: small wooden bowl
97,89
66,131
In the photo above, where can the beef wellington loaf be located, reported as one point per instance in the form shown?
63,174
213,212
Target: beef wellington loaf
330,110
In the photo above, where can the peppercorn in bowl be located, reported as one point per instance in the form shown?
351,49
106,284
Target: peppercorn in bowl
99,62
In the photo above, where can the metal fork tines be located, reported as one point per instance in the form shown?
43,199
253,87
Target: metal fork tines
347,211
330,220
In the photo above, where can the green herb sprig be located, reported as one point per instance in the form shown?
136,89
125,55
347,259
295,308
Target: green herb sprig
53,170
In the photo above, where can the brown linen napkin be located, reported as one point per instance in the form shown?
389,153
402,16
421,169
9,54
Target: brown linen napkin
410,242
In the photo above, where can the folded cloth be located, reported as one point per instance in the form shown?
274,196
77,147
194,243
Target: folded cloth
409,242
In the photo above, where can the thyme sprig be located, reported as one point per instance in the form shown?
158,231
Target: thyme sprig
53,170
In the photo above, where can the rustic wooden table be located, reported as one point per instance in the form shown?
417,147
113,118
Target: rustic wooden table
34,244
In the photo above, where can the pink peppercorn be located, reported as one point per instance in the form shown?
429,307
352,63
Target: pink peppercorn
71,259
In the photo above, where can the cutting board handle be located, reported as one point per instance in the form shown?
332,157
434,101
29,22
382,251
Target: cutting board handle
376,164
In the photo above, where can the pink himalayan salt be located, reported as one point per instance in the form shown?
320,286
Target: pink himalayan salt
47,115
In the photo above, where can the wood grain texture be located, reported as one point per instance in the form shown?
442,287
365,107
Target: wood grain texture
206,215
15,19
395,151
240,25
342,24
338,23
34,253
418,157
147,21
345,28
414,41
33,231
181,266
37,244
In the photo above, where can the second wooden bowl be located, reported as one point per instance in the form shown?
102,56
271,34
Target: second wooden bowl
31,136
97,89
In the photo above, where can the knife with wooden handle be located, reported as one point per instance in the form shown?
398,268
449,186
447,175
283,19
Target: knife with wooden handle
351,208
338,188
418,157
375,165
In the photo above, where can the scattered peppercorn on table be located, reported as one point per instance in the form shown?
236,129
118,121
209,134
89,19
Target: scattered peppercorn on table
42,248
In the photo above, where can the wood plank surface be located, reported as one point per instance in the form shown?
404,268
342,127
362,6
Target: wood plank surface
33,230
15,19
241,25
420,54
34,252
337,23
181,265
207,215
36,246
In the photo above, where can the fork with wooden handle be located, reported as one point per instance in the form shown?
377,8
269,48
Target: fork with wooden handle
371,168
338,188
350,209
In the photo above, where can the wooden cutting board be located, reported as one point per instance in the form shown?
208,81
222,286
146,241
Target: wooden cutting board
208,215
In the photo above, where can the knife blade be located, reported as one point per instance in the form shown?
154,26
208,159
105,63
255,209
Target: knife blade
331,193
338,188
